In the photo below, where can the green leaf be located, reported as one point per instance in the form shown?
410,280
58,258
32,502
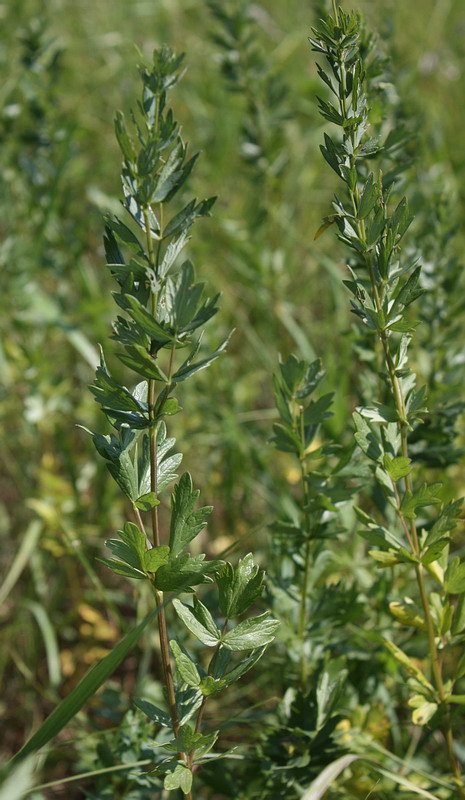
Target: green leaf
85,689
425,496
397,468
369,197
187,740
317,412
460,668
179,778
454,579
139,360
147,501
125,235
407,614
167,408
156,557
244,666
188,369
182,221
366,438
130,547
209,685
285,439
376,227
239,586
379,413
185,666
145,319
120,568
409,665
203,615
171,253
433,552
251,633
183,297
124,140
410,290
153,712
186,523
424,710
184,572
205,634
112,395
446,522
376,534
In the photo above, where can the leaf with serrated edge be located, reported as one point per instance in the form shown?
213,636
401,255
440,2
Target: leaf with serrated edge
192,623
251,633
239,586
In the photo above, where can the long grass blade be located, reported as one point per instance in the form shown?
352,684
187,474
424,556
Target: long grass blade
86,688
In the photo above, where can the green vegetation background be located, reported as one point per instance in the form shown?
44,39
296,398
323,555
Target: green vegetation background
60,172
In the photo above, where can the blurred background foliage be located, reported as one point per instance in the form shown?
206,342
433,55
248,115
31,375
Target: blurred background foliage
248,103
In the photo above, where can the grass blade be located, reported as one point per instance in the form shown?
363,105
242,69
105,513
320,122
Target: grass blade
86,688
28,544
18,781
326,778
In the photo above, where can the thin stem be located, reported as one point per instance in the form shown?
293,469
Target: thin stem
308,551
166,661
399,399
162,624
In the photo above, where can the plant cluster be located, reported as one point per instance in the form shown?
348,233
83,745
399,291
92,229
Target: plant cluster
361,693
384,282
160,342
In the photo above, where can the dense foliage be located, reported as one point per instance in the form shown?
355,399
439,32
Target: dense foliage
319,412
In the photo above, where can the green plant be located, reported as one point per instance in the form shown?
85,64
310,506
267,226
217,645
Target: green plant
384,283
165,309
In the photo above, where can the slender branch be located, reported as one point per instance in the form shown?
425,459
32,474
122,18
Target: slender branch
162,624
307,555
403,425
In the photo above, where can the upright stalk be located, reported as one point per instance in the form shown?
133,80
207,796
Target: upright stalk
374,236
307,551
162,622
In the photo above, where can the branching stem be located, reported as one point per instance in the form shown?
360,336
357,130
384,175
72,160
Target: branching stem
308,550
399,399
162,623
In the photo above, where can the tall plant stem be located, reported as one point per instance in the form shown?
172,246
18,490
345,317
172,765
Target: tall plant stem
399,399
307,554
436,666
162,623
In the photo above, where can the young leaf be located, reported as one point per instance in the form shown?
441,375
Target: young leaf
185,666
184,572
179,778
425,496
200,631
369,197
156,557
454,582
397,468
251,633
186,523
185,371
120,568
239,586
153,712
147,501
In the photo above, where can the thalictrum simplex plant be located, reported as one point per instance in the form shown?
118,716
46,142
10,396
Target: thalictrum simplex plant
159,336
384,283
160,342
